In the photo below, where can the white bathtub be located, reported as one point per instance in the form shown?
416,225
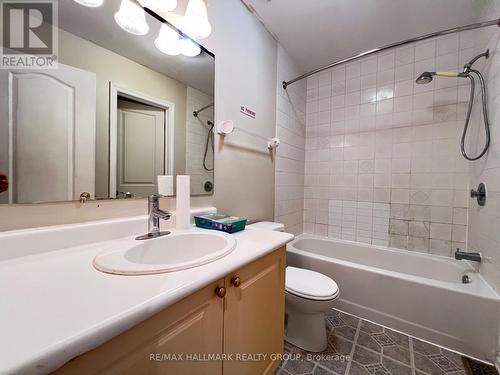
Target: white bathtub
419,294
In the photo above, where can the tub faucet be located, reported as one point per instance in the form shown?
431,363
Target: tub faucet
475,257
154,216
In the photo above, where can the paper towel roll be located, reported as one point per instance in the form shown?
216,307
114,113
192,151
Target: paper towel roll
166,185
183,206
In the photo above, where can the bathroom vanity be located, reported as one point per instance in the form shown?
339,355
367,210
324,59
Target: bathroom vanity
77,320
239,317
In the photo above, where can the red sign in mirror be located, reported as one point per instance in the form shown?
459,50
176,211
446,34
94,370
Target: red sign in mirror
4,183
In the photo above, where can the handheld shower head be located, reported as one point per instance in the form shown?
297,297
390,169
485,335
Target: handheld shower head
468,72
425,77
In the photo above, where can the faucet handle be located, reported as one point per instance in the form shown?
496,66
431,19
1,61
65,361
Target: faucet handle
479,194
84,197
153,200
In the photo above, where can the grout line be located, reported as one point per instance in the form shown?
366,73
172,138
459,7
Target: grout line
329,371
412,355
386,356
354,342
283,364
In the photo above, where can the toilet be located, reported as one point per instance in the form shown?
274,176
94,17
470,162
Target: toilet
308,296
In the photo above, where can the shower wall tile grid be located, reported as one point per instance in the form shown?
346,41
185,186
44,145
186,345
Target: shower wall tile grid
290,156
383,163
196,137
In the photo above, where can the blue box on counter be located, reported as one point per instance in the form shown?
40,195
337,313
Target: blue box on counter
224,223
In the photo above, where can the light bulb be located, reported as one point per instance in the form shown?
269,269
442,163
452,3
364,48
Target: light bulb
189,48
132,18
90,3
195,22
159,6
168,41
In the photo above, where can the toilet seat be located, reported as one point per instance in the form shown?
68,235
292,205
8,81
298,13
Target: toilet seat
310,284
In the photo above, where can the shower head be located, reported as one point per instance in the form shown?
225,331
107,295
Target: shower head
425,77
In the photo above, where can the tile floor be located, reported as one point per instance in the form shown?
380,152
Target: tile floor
358,347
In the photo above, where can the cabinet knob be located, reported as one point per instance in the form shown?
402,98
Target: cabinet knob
236,281
84,197
220,291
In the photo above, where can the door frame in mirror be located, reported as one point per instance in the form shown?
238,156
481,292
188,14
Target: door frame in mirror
114,92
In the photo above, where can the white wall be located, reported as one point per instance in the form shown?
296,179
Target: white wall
245,72
290,155
383,162
244,180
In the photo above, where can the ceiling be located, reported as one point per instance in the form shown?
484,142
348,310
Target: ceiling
318,32
98,25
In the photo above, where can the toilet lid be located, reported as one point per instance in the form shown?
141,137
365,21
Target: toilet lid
310,284
278,227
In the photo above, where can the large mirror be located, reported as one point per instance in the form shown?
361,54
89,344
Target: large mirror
115,112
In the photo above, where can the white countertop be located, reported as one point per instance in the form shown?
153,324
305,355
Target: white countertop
55,305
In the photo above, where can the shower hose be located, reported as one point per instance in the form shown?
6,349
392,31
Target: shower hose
484,96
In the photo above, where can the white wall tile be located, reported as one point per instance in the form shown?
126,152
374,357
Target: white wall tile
290,164
380,146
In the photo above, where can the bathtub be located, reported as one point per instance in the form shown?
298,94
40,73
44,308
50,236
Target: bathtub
419,294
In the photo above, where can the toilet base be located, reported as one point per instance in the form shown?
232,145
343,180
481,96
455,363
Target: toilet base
306,330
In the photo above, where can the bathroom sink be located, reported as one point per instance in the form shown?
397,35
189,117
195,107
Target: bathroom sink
177,251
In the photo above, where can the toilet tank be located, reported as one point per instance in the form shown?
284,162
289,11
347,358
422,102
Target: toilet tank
269,225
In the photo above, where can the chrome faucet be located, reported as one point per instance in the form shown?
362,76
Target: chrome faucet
154,216
474,257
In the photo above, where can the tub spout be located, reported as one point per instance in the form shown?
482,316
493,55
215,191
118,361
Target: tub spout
474,257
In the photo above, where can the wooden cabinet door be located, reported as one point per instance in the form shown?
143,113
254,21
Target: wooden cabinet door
160,345
254,316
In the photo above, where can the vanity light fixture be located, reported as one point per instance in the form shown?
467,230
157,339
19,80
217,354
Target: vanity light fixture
90,3
132,18
159,6
168,41
189,48
195,22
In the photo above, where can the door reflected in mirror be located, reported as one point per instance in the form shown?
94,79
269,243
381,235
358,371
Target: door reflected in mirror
140,148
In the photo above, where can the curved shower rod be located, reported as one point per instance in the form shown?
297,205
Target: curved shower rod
370,52
195,113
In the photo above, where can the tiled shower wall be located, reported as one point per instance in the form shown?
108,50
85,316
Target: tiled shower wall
484,222
383,163
290,155
196,137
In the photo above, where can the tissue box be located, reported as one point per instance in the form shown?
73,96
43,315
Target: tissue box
225,223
